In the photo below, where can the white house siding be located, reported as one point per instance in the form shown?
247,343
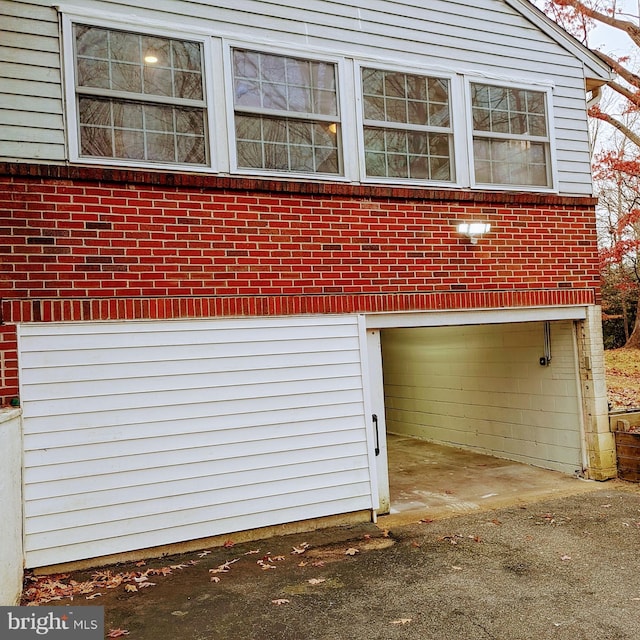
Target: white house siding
31,122
140,434
482,387
488,37
11,522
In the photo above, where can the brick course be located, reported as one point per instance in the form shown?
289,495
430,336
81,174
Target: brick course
87,244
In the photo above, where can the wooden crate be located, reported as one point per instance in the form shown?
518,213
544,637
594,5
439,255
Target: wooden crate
628,455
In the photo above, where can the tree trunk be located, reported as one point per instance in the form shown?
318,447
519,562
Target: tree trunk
625,316
634,339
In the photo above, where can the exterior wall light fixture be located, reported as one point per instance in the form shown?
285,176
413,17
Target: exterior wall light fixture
473,230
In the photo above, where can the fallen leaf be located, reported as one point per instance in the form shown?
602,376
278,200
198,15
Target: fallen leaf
117,633
456,568
252,552
300,549
141,563
401,621
92,596
302,563
266,567
280,601
386,533
496,522
179,566
225,567
147,584
415,544
278,558
215,579
203,554
130,587
316,580
318,563
565,557
228,544
351,551
425,520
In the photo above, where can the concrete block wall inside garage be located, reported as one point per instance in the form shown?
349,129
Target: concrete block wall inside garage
482,387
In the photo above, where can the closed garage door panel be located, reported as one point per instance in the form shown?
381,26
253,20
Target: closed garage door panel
140,434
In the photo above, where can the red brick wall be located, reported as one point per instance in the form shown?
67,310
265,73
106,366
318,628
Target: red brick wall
80,244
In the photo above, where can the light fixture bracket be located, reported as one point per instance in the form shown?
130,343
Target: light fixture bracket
473,230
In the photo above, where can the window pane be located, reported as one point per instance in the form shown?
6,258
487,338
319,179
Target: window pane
93,73
132,130
158,81
286,145
511,162
537,126
126,77
509,111
284,83
160,147
440,169
126,59
95,141
92,42
128,144
124,47
128,114
374,108
405,98
191,149
419,155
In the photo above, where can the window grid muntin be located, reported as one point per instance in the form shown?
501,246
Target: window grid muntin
176,140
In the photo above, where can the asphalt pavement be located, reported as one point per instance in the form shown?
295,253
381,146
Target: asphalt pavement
567,568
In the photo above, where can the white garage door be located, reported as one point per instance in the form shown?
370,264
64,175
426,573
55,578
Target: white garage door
140,434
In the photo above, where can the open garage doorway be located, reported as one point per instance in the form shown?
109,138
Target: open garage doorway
477,389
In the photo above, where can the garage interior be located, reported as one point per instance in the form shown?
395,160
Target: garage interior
475,420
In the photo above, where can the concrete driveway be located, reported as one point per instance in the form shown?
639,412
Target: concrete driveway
567,568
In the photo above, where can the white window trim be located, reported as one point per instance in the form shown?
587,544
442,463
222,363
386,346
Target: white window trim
457,127
73,124
343,89
220,113
547,89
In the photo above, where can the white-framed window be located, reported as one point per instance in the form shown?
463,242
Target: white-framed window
407,126
511,136
286,113
154,96
139,97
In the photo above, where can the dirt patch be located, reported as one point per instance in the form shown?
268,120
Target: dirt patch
623,378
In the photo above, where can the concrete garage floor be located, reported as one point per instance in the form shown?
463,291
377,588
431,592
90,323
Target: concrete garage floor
433,481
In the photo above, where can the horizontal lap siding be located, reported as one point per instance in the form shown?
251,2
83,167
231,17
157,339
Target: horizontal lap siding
31,97
145,433
483,36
